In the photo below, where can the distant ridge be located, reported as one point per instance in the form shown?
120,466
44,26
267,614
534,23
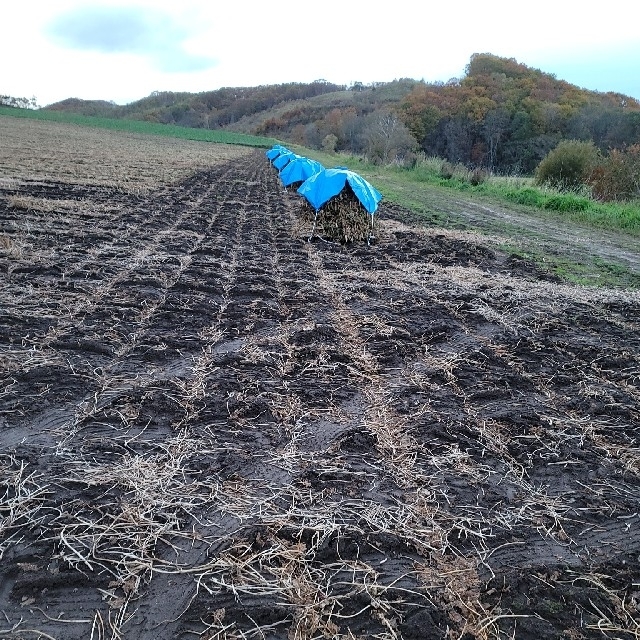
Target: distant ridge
501,115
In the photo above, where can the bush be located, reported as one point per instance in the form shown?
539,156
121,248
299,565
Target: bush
478,176
329,143
446,170
410,160
618,177
429,164
569,165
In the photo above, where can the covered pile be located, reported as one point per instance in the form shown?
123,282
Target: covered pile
344,204
340,202
298,170
343,218
275,151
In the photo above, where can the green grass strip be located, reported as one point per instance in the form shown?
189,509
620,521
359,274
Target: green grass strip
617,216
142,127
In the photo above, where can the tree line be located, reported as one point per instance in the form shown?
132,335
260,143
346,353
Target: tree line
506,117
501,116
19,103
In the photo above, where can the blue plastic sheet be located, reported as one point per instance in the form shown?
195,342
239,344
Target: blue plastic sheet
299,169
323,186
275,151
283,160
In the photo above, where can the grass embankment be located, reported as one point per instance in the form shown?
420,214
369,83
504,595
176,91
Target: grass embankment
450,202
400,183
139,126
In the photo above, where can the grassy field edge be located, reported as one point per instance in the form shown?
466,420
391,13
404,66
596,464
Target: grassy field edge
139,126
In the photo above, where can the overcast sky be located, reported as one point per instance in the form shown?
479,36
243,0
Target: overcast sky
122,51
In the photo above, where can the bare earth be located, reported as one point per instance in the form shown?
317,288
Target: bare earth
212,428
559,237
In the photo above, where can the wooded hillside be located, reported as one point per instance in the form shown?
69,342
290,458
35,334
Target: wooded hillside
502,115
506,116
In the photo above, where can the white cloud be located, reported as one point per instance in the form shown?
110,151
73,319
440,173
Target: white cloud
137,30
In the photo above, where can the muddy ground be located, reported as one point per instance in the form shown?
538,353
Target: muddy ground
212,428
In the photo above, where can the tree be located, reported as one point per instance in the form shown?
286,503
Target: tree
488,64
19,103
494,129
351,134
312,135
329,143
387,138
458,137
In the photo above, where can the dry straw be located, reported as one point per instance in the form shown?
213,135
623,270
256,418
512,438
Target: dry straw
342,219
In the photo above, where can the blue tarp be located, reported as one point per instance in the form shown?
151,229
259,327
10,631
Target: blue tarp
283,160
275,151
299,169
323,186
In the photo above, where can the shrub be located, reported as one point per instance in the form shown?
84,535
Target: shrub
329,143
446,170
429,164
569,165
478,176
410,160
618,177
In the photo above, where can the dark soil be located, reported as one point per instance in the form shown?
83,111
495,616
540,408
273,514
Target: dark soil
210,427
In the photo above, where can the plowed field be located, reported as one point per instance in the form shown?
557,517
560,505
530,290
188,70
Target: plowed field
213,428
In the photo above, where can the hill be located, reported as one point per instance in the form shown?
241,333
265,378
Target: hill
209,110
100,108
502,115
